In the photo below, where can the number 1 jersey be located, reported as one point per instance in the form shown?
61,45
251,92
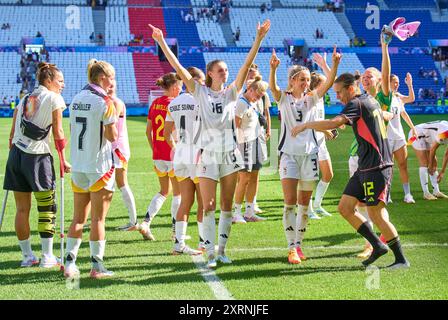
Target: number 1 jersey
157,113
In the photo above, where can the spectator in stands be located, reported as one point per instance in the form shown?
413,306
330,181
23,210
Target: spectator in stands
317,36
263,7
5,101
92,37
38,35
237,34
18,79
269,7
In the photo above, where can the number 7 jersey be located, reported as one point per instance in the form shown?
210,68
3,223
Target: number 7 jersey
90,111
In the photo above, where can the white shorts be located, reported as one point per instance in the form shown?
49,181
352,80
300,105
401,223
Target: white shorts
352,165
420,144
396,144
215,165
163,168
323,154
185,161
120,160
93,182
304,167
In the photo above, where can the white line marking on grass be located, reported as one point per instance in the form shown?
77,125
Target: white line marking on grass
213,281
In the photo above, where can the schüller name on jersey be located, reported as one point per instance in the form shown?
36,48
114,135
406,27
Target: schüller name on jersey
81,106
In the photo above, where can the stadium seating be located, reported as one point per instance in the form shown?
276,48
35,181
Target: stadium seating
117,2
139,19
144,2
289,24
50,21
199,3
117,26
301,3
250,3
74,67
15,1
209,30
10,62
185,32
66,2
396,4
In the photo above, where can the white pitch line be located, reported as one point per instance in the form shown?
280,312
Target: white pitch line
212,280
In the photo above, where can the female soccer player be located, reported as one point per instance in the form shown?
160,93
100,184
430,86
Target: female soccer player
162,153
220,159
182,116
93,129
371,182
122,153
299,162
30,169
251,137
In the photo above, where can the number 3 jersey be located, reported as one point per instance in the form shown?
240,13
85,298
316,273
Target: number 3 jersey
364,114
157,113
90,111
295,112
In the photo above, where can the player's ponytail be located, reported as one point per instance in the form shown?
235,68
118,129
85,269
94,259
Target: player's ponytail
97,68
167,80
316,80
257,84
46,71
196,73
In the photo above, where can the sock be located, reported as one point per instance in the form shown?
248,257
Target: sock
154,207
363,212
255,201
25,246
181,231
47,246
289,223
370,236
129,203
395,246
321,189
249,210
301,224
209,229
72,248
407,188
435,184
175,203
238,208
97,249
224,226
201,231
423,172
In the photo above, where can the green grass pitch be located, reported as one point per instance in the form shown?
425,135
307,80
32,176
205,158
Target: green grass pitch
147,270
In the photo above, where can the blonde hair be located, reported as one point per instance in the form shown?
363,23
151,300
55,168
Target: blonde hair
210,65
258,85
97,68
316,80
293,72
196,73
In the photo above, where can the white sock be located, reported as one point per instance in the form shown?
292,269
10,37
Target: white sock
435,184
237,208
175,203
310,206
255,201
47,246
209,229
224,226
423,172
72,248
129,203
154,207
301,224
250,211
181,232
364,213
289,223
407,188
97,249
201,231
321,189
25,246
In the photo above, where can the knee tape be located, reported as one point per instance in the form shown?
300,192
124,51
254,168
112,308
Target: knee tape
306,185
46,207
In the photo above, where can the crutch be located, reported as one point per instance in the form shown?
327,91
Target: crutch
5,199
61,206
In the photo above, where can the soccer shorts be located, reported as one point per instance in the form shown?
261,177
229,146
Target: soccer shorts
216,165
93,182
185,161
304,167
163,168
120,160
370,187
253,154
396,144
421,143
323,154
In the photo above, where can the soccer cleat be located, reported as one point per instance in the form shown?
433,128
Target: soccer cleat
99,271
440,195
201,246
29,261
428,196
129,227
375,255
322,212
293,257
254,218
211,263
49,261
186,250
399,265
257,208
237,218
223,259
146,232
300,253
366,252
313,215
408,198
71,270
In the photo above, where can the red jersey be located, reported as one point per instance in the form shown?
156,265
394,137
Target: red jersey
156,114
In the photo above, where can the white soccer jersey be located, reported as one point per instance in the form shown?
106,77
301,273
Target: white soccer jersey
293,112
39,110
434,131
394,127
217,118
90,111
320,115
184,112
250,125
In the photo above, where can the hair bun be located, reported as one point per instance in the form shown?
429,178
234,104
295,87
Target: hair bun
357,77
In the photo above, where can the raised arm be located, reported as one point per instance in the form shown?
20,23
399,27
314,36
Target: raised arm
336,59
262,30
385,68
186,77
321,61
275,89
411,97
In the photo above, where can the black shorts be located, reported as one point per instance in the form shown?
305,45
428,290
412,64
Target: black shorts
370,187
252,155
29,172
